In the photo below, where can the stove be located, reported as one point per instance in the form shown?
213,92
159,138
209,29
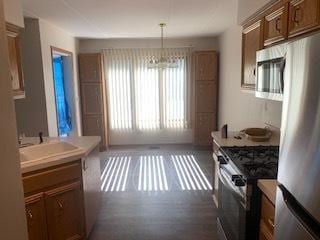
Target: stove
238,195
254,162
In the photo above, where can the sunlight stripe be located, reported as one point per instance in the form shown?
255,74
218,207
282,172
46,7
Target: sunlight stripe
178,173
192,172
159,174
117,175
126,175
198,174
113,170
187,173
140,175
164,174
108,172
121,174
154,175
201,172
182,172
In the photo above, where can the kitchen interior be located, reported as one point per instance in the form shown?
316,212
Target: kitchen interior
160,120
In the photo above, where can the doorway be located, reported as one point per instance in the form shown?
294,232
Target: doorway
62,68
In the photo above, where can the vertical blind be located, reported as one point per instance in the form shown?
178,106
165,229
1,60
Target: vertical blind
146,99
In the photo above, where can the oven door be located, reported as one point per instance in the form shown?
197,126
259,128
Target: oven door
232,206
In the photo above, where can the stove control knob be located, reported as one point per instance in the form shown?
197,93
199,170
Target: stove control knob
239,182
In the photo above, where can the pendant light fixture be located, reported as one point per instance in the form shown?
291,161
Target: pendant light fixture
163,61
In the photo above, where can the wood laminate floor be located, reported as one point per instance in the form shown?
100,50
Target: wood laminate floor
156,193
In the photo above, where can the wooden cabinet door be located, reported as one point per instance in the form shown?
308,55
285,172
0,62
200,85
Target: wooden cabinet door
91,95
90,68
276,24
206,64
36,217
252,41
64,208
303,16
15,60
206,96
205,124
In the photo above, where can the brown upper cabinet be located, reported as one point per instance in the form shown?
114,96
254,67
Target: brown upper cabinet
252,41
304,16
206,63
276,24
15,60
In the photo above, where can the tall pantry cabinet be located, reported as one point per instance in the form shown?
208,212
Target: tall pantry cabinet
205,67
93,97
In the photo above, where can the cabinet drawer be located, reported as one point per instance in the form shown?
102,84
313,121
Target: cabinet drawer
267,214
42,179
276,24
303,16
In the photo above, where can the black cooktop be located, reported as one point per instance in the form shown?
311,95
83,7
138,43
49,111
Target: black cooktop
254,162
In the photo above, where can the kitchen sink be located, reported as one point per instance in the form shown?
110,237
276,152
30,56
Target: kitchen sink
46,150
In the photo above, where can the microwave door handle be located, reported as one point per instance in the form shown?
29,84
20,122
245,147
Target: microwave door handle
311,225
283,65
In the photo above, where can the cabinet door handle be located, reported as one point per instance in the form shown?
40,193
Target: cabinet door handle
277,25
295,16
254,72
60,205
271,222
30,216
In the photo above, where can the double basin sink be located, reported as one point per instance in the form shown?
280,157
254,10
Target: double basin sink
47,150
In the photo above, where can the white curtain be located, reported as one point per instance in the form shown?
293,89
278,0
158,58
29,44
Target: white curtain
142,99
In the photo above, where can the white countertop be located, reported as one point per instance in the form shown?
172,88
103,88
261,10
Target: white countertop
269,188
231,141
86,145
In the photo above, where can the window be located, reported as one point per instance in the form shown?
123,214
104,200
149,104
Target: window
143,99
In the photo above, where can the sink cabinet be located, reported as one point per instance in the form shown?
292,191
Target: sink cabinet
55,203
64,215
36,217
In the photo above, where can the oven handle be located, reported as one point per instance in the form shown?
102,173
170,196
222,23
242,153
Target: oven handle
231,188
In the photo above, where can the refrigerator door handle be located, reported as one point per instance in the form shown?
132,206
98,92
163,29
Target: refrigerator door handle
311,225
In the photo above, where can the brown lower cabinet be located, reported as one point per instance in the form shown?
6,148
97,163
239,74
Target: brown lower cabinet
267,219
54,204
36,217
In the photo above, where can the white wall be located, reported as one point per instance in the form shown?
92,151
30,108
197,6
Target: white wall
237,108
53,36
13,223
31,111
13,12
96,45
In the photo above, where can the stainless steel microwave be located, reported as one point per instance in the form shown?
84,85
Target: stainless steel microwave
270,67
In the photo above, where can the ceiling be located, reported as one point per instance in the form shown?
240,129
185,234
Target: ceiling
135,18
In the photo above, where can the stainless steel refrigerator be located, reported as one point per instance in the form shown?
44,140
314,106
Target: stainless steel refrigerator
298,194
